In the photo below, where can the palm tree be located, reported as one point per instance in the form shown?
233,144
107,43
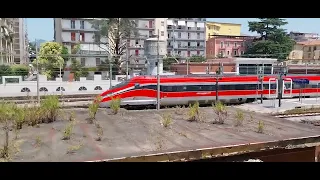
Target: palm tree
112,35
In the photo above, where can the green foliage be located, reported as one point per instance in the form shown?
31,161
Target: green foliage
14,70
93,107
78,70
50,58
6,116
115,105
221,112
115,31
50,106
193,113
32,47
64,54
197,59
273,42
168,61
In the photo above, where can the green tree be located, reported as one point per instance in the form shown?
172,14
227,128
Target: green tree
49,58
197,59
273,41
168,61
64,54
77,69
113,33
32,47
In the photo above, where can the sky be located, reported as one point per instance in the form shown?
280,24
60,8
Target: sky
42,28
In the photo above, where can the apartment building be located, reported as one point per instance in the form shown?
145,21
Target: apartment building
20,42
73,31
147,28
307,50
186,37
220,46
6,41
218,28
301,37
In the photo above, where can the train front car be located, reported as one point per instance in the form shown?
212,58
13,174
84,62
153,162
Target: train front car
114,92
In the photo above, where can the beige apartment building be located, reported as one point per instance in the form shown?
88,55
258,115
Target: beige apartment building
307,50
20,41
6,41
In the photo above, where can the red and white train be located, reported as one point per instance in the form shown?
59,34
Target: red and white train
183,90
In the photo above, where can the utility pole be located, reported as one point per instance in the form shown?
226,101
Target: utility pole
158,73
218,73
127,62
281,73
110,72
261,77
37,61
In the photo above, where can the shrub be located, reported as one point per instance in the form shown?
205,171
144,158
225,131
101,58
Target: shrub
93,108
166,120
6,116
193,114
239,118
50,107
68,131
221,112
115,105
260,127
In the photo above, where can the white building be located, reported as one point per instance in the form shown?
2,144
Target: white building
73,31
186,37
20,43
6,41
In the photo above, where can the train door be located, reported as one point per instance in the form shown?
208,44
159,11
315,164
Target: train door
273,88
287,87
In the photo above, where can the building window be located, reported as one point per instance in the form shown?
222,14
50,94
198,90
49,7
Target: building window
198,35
189,44
83,61
73,24
315,48
162,33
235,44
179,35
137,41
179,52
221,44
228,53
309,55
242,44
162,23
150,24
188,35
137,52
309,48
82,38
228,44
73,36
198,52
188,53
150,33
242,52
221,53
98,61
169,36
81,24
235,53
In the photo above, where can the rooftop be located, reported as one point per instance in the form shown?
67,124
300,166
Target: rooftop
309,43
211,22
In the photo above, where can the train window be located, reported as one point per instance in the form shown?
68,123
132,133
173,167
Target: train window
123,83
193,88
153,87
136,85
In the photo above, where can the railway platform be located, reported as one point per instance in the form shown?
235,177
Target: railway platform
272,106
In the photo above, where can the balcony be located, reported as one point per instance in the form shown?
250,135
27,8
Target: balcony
185,39
136,46
79,29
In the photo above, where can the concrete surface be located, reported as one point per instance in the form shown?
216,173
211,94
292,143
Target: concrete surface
271,106
135,133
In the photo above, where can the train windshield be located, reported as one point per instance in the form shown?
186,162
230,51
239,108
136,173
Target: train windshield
123,83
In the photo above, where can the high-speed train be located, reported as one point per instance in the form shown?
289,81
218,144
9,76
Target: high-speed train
183,90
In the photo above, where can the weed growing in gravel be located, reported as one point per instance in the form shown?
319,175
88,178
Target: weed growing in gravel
93,108
239,118
6,116
68,131
193,114
73,149
72,116
38,141
166,120
179,110
221,112
115,105
99,132
50,107
260,127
